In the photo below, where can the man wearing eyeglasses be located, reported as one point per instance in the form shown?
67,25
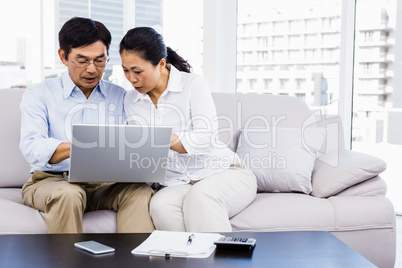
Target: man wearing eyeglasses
48,111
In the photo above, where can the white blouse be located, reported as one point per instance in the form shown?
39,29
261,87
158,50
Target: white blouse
188,107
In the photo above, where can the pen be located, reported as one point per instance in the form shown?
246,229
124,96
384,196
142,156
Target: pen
190,239
168,253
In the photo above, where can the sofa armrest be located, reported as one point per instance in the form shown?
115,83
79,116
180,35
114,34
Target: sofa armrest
338,171
375,186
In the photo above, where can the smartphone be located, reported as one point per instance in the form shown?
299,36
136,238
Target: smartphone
94,247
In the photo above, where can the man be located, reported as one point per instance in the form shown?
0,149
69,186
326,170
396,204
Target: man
48,111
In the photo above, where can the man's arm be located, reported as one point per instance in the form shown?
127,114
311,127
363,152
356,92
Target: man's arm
35,143
62,153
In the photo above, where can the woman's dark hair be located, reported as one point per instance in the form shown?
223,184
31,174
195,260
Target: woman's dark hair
149,44
78,32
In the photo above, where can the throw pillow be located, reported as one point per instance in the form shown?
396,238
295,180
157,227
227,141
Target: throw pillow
337,171
281,158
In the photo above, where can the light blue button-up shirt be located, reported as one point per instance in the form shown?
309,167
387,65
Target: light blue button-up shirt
50,108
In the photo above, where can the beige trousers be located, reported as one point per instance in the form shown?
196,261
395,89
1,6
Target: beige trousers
64,203
204,206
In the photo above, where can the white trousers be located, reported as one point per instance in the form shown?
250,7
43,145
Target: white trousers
204,206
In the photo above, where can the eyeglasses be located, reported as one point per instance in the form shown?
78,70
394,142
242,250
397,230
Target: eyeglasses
101,62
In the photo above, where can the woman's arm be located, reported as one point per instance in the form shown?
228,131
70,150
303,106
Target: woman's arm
201,129
176,145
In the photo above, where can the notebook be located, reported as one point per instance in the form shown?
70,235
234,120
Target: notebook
119,153
176,244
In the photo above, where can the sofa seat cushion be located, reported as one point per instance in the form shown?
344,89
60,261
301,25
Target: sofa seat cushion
300,212
100,221
20,219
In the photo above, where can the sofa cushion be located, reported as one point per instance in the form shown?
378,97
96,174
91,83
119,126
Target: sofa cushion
18,218
21,219
285,212
301,212
14,169
281,158
100,221
337,171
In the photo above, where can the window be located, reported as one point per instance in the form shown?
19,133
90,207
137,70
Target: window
296,44
20,47
29,54
183,30
377,98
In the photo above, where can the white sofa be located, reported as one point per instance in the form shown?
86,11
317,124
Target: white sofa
347,198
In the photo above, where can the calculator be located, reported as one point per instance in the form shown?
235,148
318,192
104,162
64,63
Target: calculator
235,243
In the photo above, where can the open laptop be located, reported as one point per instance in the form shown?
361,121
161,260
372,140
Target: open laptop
119,153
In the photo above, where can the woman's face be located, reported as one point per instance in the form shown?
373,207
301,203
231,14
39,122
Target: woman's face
141,73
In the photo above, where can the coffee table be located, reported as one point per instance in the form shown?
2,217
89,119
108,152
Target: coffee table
273,249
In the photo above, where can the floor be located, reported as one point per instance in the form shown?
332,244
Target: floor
398,263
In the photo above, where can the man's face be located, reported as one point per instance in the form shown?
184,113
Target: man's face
85,78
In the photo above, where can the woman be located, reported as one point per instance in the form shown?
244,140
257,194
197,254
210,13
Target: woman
204,185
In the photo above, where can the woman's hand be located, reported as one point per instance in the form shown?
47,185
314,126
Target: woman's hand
176,145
